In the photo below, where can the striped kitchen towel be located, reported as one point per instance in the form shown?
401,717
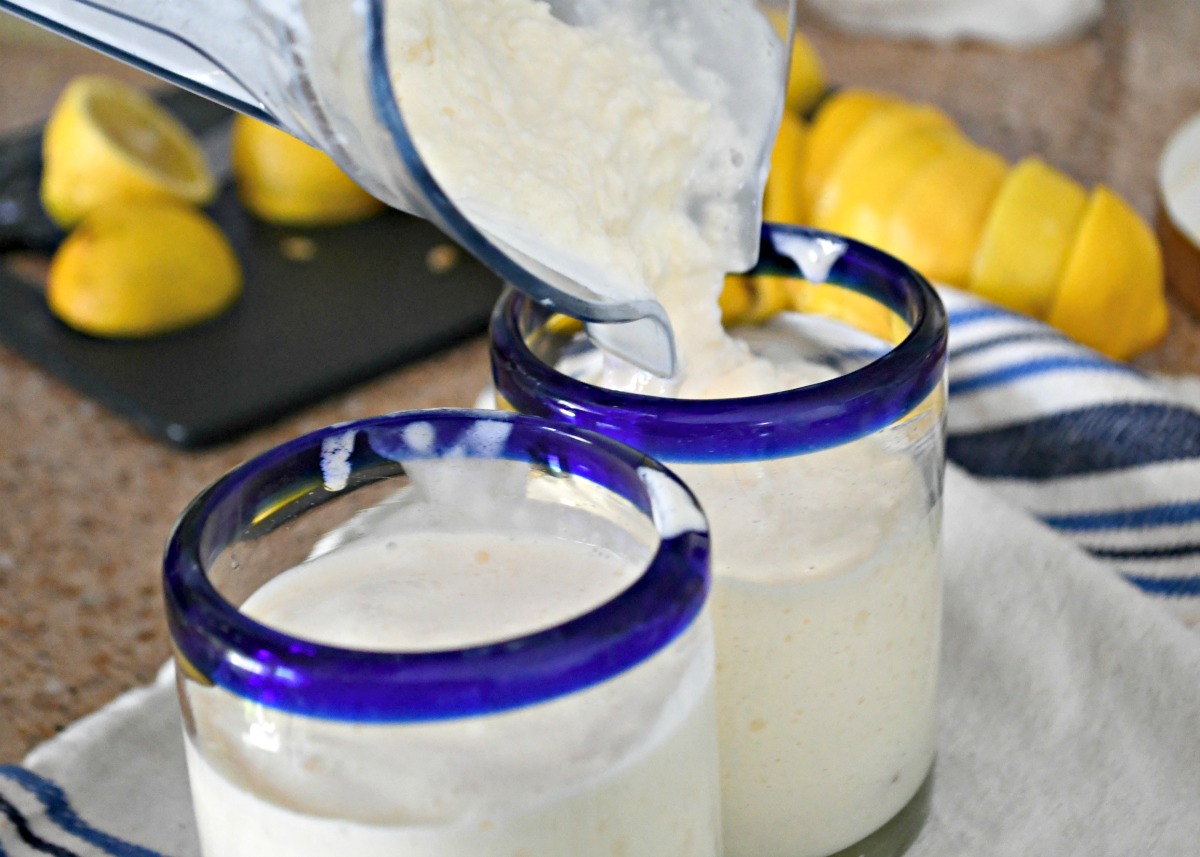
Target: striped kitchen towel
1102,453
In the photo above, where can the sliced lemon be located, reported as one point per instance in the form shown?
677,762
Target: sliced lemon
106,141
840,116
1027,237
1111,291
862,187
938,216
284,180
142,268
784,199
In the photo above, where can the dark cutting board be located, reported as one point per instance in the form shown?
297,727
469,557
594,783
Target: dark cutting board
322,310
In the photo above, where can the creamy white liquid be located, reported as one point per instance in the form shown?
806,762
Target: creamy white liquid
827,613
582,145
626,767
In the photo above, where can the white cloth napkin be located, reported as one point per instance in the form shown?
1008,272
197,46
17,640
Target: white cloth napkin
1070,700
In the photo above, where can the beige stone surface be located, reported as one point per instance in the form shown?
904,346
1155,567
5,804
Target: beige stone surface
86,502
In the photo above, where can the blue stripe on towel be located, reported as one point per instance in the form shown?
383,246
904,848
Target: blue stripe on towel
1170,587
1159,552
21,825
1089,440
1039,366
59,810
1044,335
1162,515
972,314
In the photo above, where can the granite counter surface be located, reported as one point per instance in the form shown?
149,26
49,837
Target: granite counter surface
86,501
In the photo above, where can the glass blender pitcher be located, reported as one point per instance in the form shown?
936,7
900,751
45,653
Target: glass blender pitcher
318,69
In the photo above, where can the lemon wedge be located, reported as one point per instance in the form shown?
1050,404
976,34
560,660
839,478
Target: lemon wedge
862,187
142,268
1027,237
284,180
784,198
938,216
106,141
840,116
1111,291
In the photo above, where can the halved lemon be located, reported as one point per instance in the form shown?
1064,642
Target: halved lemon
840,117
1027,237
142,268
938,216
284,180
864,183
107,141
1111,291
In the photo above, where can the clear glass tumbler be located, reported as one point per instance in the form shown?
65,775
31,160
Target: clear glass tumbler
825,506
447,633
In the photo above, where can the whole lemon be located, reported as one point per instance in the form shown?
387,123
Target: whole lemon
284,180
142,268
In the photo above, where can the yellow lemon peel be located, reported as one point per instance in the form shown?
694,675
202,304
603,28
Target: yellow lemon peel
1027,237
938,216
142,268
840,117
284,180
107,141
784,201
1111,292
862,189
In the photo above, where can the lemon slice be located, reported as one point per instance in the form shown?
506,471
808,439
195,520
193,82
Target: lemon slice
840,116
106,141
784,199
1111,291
284,180
937,220
1027,237
861,190
142,268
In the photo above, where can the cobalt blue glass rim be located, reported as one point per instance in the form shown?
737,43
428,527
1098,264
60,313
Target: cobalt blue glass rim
776,425
217,644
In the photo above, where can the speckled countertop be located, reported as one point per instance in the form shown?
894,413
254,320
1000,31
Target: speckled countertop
86,501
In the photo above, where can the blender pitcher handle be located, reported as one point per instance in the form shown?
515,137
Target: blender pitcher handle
203,47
